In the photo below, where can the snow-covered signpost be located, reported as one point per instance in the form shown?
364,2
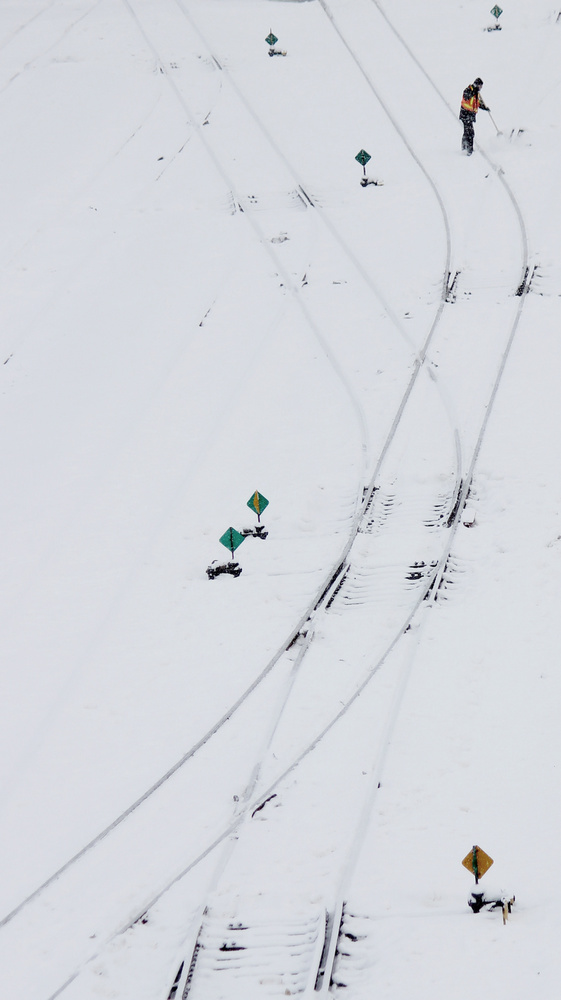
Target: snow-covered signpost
271,42
231,539
363,157
478,863
496,11
257,502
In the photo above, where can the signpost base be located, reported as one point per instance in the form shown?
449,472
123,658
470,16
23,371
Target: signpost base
216,569
257,532
478,903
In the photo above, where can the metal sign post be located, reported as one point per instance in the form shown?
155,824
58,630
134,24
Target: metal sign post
363,157
496,11
271,42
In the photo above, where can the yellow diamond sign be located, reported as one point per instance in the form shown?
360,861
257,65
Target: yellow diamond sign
477,862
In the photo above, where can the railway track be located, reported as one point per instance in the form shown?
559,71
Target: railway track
361,499
358,584
364,578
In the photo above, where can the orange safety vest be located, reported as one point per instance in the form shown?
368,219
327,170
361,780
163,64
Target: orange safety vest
470,103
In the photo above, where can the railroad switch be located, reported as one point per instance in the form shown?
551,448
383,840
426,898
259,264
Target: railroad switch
216,569
257,532
478,902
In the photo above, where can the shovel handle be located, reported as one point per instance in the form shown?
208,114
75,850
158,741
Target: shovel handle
494,123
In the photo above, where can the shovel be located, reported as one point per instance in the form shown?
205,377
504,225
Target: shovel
494,123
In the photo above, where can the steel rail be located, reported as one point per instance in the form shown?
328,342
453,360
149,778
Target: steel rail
252,805
362,502
353,853
430,592
323,593
316,604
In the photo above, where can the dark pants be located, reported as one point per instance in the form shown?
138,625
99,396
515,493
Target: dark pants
467,119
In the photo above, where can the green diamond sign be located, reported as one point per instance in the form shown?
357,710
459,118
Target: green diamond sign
271,39
257,502
496,11
363,157
231,539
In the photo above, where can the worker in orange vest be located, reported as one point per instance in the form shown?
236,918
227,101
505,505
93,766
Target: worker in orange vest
471,103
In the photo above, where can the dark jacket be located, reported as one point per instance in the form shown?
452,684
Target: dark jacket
471,103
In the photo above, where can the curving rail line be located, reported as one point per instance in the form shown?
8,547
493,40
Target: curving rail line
334,921
363,501
321,599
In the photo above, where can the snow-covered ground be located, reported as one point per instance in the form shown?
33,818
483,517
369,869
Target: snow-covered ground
200,300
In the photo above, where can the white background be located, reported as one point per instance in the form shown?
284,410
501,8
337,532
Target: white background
199,300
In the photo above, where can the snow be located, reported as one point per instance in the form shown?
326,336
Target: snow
200,300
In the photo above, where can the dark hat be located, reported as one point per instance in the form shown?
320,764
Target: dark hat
478,82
